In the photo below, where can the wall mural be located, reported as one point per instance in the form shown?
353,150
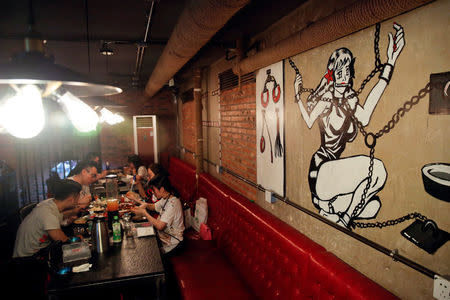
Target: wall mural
344,189
270,127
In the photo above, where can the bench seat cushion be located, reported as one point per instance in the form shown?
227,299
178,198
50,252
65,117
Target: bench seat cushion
204,273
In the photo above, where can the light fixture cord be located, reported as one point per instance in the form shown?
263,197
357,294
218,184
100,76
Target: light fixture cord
87,35
31,20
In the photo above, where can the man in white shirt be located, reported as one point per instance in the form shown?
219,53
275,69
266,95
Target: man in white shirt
85,173
169,224
27,274
43,223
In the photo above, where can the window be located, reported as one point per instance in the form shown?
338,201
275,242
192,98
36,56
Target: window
63,168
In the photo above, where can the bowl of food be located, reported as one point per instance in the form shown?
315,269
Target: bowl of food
436,180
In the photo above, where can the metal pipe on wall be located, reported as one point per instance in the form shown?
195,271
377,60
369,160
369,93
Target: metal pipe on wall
198,119
197,24
355,17
391,253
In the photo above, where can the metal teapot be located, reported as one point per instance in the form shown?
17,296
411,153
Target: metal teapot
99,236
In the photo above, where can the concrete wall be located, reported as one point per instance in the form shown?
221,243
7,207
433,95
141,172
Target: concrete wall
418,139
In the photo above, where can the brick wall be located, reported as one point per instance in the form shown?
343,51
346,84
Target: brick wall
238,137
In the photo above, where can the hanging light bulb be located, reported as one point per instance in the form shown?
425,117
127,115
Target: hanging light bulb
83,117
23,114
110,117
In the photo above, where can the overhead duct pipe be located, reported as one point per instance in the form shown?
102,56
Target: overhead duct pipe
198,23
355,17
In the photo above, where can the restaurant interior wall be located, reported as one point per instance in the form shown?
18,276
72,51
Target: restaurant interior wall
117,141
228,128
238,137
212,129
425,53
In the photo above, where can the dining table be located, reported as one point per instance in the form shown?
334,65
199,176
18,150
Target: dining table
134,263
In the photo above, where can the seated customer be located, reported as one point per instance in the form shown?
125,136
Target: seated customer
95,157
170,221
137,168
85,173
145,189
43,223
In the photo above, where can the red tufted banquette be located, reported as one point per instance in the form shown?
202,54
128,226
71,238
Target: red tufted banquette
182,177
255,255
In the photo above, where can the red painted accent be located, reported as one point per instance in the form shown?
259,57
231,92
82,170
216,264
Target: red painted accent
276,93
329,76
264,103
262,144
44,238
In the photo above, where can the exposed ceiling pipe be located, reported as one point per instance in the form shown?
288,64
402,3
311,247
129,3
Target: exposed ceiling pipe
79,39
141,49
199,21
355,17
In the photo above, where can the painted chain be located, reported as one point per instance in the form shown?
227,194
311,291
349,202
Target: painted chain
386,129
371,144
370,138
394,222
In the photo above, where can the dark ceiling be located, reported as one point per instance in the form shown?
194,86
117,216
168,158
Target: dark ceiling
68,25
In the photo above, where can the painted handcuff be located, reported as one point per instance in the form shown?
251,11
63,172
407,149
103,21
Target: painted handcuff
276,90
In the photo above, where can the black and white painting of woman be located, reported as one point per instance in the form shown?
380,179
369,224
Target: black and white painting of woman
337,182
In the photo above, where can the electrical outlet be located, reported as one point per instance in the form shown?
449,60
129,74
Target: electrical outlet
441,289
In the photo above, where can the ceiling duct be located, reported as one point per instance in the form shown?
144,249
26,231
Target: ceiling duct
198,23
354,17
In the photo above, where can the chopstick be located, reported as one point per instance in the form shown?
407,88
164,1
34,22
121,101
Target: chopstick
132,184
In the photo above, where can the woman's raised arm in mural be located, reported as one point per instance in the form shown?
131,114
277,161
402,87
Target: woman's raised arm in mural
364,113
320,106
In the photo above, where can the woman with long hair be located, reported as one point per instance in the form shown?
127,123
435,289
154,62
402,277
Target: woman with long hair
337,184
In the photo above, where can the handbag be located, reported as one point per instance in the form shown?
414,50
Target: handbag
205,232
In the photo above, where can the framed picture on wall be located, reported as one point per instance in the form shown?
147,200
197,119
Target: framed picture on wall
270,150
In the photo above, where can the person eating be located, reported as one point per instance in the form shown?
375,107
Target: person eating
169,223
145,190
95,157
137,168
85,173
43,224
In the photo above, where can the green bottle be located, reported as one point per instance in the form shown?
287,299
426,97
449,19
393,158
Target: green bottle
117,234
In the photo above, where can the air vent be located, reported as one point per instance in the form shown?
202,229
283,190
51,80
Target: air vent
229,80
144,122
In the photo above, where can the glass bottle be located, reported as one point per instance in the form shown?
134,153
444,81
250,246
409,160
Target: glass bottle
117,232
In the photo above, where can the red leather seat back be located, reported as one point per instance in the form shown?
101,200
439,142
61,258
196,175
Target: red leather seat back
182,177
274,259
216,193
164,159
